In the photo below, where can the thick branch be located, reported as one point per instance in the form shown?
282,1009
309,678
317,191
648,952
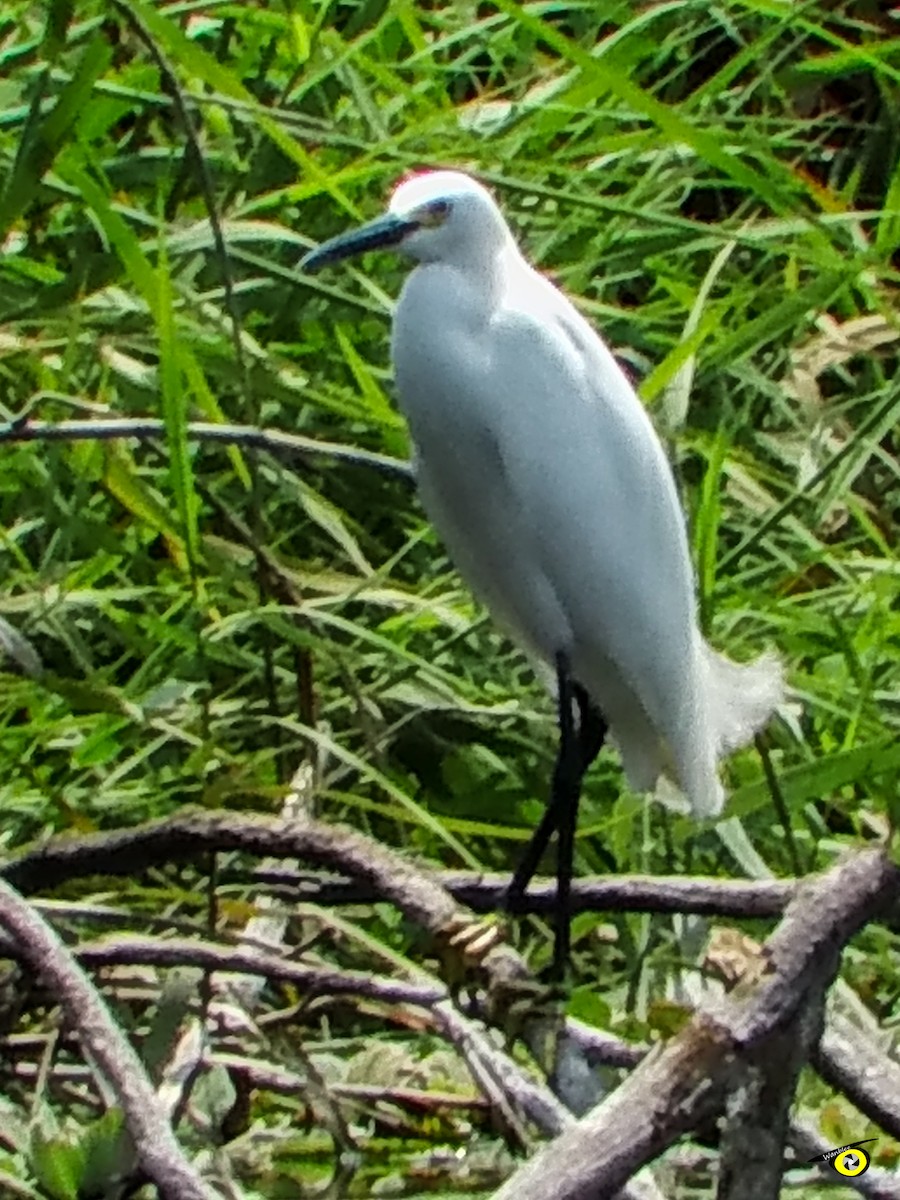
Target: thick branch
671,1090
191,833
752,1150
484,892
156,1148
126,851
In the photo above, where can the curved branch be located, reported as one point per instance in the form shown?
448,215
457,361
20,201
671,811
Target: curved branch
190,832
156,1148
855,1065
124,852
312,981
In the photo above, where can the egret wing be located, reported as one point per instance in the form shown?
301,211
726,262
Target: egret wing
586,468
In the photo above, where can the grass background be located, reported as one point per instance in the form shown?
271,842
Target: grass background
716,184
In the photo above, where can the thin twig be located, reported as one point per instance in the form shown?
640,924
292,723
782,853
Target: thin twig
143,428
272,1077
312,981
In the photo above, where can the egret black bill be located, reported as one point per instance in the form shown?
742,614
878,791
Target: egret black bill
386,230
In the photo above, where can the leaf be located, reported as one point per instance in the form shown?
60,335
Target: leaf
175,416
122,479
706,525
735,839
17,647
821,777
331,520
697,328
45,136
93,697
58,1165
778,192
108,1153
375,399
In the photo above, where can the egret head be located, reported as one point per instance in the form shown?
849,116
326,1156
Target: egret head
439,216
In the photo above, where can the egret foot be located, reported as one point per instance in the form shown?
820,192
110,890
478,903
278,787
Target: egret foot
521,1003
474,938
464,942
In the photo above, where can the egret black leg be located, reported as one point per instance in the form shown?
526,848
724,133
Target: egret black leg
587,741
566,790
578,747
591,736
592,727
540,839
528,863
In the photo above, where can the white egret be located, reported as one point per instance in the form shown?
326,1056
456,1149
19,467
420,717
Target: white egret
543,474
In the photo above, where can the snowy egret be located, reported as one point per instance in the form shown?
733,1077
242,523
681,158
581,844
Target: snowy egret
543,474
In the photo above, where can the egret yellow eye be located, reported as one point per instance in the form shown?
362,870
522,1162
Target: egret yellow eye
435,212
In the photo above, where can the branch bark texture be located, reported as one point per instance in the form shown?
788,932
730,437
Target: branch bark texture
684,1082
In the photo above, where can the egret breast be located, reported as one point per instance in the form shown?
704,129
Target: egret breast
440,369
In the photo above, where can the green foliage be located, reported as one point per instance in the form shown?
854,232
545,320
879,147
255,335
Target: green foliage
718,186
81,1161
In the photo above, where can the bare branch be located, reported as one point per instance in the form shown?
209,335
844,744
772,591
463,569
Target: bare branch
850,1060
751,1160
488,1062
853,1054
144,428
157,1150
618,893
190,833
312,981
272,1077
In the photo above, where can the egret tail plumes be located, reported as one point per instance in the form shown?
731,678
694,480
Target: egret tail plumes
676,753
742,696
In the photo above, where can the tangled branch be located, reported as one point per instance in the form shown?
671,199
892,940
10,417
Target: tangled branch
734,1055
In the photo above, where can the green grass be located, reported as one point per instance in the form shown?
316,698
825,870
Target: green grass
718,186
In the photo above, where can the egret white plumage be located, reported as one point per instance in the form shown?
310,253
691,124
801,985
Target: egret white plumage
542,472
